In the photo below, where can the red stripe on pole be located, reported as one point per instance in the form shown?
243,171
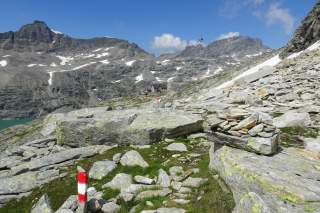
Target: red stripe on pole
82,177
82,198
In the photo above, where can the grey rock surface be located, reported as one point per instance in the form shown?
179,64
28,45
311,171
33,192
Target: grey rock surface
265,179
121,181
292,119
42,206
100,169
177,147
133,158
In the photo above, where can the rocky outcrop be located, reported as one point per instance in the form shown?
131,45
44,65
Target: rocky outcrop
307,34
260,182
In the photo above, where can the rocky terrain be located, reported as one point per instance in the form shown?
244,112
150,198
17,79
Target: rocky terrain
44,71
306,34
246,144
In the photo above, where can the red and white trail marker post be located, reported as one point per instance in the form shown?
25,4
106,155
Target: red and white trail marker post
158,101
82,179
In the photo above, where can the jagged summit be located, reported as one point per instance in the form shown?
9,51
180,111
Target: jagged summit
307,34
239,46
38,36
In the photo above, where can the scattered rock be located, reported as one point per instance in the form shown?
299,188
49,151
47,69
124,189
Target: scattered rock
255,130
312,144
126,196
292,119
100,169
120,182
133,158
70,203
181,201
177,147
194,182
110,208
143,180
153,193
163,179
198,135
116,157
42,205
247,123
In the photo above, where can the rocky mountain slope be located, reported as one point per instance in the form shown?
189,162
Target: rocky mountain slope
43,71
307,34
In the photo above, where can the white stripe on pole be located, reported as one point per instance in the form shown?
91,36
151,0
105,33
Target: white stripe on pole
82,188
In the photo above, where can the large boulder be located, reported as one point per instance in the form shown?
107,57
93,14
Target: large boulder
133,158
120,182
133,126
286,182
292,119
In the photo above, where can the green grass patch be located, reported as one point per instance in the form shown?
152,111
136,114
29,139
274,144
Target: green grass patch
290,136
212,196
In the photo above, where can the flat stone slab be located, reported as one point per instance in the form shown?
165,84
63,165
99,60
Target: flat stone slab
178,147
285,182
25,182
265,146
57,158
132,126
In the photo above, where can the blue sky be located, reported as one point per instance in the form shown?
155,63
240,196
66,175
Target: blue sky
162,25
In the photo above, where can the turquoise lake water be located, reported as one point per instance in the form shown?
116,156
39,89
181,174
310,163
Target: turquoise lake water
8,123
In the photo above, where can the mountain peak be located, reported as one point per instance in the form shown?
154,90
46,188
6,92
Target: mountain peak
38,31
237,45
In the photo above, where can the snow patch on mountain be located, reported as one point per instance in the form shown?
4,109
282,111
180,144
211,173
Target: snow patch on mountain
56,32
64,60
53,64
89,56
165,62
3,63
97,50
84,65
170,79
139,78
271,62
50,78
130,63
254,55
103,55
312,47
105,62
